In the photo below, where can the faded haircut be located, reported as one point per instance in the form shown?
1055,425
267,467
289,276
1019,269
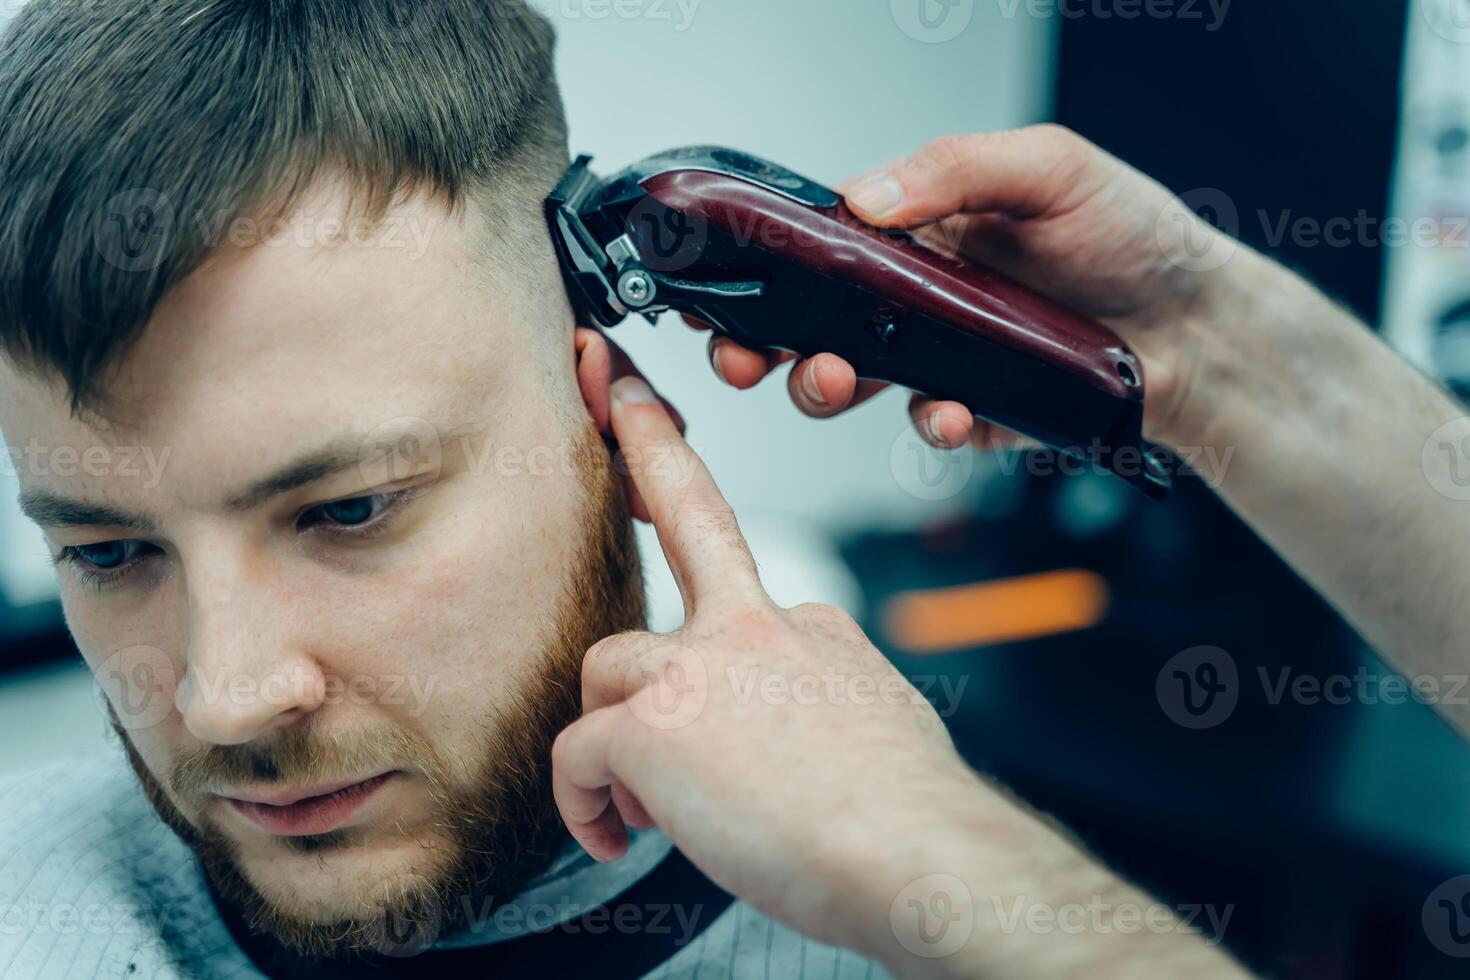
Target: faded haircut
132,131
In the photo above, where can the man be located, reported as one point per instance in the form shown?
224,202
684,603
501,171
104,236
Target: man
297,247
325,520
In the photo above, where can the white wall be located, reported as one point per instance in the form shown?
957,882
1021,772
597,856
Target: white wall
828,88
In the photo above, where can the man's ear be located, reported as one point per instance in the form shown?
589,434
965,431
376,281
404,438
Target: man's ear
594,376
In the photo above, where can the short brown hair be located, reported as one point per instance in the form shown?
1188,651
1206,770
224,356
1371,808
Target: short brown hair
130,129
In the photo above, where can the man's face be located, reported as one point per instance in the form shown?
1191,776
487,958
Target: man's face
345,535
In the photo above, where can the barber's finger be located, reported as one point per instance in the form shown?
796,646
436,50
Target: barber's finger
619,365
826,385
741,367
636,506
615,668
697,530
581,783
821,386
943,425
623,367
602,362
630,808
612,671
949,425
1025,173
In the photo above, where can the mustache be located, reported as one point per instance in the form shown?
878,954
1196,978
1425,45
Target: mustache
299,755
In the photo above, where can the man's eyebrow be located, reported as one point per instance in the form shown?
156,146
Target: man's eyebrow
50,509
301,472
336,457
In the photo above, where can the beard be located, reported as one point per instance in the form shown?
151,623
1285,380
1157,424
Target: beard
500,824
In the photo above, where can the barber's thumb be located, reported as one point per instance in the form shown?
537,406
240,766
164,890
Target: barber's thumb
876,197
632,391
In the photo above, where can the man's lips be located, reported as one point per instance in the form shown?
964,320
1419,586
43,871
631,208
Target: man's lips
311,810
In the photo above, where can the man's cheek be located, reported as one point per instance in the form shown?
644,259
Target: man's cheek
393,646
443,639
135,676
155,747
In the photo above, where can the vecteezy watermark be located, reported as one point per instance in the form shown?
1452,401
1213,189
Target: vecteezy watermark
1446,459
673,241
1185,235
405,928
284,690
412,448
668,687
1101,916
1446,917
667,690
1198,688
33,918
1364,230
144,464
927,473
399,449
932,21
137,230
143,687
677,13
1450,19
139,682
411,916
1209,464
1210,14
1189,230
1201,687
1362,686
831,686
933,916
678,921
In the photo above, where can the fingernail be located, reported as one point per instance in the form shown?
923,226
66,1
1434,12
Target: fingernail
714,362
809,387
936,432
877,195
632,391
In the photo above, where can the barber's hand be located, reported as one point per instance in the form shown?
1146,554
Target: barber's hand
614,363
1053,211
777,747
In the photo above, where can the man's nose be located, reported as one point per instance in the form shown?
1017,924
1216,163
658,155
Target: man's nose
248,669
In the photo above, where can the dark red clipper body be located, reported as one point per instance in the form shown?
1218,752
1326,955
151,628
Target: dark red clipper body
776,261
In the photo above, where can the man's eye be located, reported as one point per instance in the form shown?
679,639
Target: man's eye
105,563
109,555
350,513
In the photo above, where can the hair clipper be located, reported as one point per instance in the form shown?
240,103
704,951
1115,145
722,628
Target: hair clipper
773,260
